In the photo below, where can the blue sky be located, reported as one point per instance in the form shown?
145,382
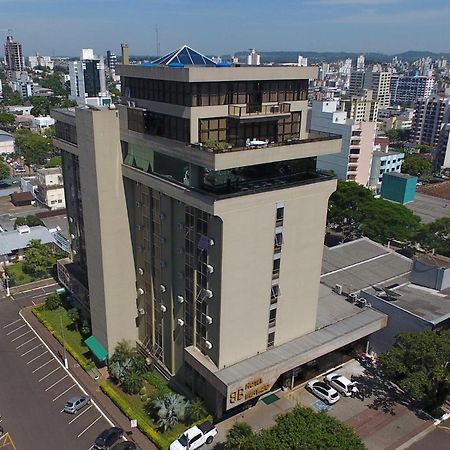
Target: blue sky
63,27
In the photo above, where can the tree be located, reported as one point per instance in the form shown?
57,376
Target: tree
196,410
169,410
419,364
436,235
74,316
417,166
4,170
132,383
35,149
38,259
85,329
55,161
301,428
11,97
237,436
52,302
31,221
7,118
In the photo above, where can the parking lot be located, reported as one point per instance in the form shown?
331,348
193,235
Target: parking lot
34,388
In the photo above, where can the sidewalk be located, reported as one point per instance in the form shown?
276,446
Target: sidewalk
91,386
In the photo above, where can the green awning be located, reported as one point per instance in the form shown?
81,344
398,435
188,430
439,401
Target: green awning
96,348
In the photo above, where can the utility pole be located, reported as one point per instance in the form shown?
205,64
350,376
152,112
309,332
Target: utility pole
8,293
66,364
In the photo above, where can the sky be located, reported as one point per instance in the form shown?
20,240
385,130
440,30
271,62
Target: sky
217,27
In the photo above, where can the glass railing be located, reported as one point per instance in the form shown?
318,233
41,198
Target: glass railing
264,110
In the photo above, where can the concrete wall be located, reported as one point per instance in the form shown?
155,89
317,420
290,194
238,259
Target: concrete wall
108,244
430,276
399,320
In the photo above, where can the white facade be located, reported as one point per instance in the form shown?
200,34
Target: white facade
384,162
353,163
23,85
19,110
253,58
42,123
360,63
50,190
40,61
302,61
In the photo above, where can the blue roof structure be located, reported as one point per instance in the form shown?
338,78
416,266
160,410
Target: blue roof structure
184,56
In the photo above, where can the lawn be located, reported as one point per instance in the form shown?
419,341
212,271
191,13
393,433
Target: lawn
74,341
18,276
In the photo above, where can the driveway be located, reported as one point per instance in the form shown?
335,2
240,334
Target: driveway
383,418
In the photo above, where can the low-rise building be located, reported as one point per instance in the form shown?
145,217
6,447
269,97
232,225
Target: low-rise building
40,124
6,142
384,162
398,187
50,189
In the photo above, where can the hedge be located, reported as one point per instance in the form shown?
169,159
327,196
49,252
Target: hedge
81,360
153,435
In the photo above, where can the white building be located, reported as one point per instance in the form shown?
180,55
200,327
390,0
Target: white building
406,89
353,163
302,61
253,58
41,123
23,84
442,156
87,80
40,61
360,63
50,190
384,162
20,110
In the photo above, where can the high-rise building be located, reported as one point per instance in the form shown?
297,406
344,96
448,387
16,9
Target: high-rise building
111,60
360,63
40,61
378,82
302,61
253,58
22,84
87,80
430,115
442,155
353,162
356,88
362,109
13,55
406,89
198,218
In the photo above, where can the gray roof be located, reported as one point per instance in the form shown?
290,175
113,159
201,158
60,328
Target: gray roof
6,137
361,264
13,240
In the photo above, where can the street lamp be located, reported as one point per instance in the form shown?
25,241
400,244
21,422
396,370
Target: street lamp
8,293
66,364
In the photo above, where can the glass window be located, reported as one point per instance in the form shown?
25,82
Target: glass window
271,339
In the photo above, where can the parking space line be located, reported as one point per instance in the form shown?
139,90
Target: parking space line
91,447
43,365
22,335
79,415
87,428
12,323
44,377
54,384
37,357
62,393
29,340
13,331
29,351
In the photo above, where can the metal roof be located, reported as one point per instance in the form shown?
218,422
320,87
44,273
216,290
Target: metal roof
13,240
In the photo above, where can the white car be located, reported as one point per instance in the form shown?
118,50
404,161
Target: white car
323,391
342,384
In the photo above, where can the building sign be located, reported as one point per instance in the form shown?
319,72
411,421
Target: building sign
251,389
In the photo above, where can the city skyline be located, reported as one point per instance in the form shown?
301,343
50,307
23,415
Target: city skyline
386,26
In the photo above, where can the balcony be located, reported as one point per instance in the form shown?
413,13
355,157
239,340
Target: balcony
267,111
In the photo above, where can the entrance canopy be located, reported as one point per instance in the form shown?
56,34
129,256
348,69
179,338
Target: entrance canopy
96,348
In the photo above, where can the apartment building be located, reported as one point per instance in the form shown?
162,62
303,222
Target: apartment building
364,108
50,188
384,162
442,155
407,89
198,217
377,81
353,162
13,55
430,115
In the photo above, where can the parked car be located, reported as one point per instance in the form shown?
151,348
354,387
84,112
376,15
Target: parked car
195,437
320,389
126,445
107,438
342,384
76,403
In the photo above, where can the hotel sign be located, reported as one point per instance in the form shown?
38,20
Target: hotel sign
251,389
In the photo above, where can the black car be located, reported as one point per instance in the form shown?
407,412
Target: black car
127,445
107,438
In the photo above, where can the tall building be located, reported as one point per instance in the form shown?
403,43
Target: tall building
406,89
87,80
198,218
111,60
380,84
40,61
442,155
360,63
430,115
253,58
22,84
13,55
353,162
356,88
362,109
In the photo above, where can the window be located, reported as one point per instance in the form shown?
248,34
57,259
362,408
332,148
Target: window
274,293
271,340
383,163
280,216
276,268
272,317
278,240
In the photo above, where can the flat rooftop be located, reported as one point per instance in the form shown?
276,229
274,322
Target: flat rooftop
429,208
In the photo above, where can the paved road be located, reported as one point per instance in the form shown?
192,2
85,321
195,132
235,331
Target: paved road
439,439
35,295
34,387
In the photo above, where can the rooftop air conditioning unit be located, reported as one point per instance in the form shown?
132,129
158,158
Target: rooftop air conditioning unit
141,271
141,311
141,291
163,308
163,288
352,297
338,289
180,322
208,293
209,320
209,268
208,345
180,299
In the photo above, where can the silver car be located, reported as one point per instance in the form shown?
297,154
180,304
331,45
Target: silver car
73,405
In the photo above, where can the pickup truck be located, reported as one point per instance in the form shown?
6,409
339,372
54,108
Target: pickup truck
195,437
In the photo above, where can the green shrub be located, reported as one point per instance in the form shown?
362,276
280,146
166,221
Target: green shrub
53,301
160,385
196,410
132,383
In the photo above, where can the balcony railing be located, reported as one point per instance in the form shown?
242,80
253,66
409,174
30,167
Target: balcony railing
242,111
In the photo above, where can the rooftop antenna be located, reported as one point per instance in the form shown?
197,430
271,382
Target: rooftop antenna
158,46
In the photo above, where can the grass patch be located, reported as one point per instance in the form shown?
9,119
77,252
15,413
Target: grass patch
18,276
74,341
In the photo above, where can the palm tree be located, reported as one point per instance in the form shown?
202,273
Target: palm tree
196,410
170,409
132,382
